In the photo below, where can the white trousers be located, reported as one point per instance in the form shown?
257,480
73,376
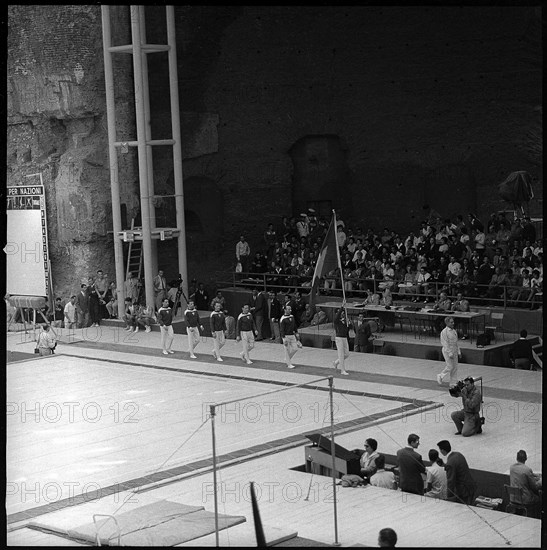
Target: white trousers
247,343
219,339
291,347
342,347
451,367
167,336
193,338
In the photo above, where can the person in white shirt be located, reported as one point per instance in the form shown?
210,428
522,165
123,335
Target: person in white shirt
70,313
46,341
383,478
436,484
451,351
340,236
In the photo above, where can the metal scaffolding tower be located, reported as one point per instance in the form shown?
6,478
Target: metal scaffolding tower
148,233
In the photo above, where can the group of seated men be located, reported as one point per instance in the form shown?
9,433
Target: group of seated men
449,479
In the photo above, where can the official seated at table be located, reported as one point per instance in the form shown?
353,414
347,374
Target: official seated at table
461,305
523,477
368,458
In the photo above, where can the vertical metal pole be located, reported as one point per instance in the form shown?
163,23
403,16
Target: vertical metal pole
215,492
113,157
149,156
333,455
142,155
177,146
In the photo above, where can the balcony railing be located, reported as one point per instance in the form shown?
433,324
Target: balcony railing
507,296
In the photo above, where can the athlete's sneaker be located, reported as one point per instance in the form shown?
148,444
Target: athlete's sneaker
170,351
136,329
249,362
165,352
147,329
192,356
215,354
345,373
220,359
242,356
291,366
439,380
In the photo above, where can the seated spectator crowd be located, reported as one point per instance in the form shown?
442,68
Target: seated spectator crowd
497,263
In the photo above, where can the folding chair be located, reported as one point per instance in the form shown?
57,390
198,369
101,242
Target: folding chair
514,505
496,322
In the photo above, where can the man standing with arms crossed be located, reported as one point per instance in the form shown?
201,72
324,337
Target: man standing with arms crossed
451,351
193,326
165,319
218,330
245,332
341,329
289,336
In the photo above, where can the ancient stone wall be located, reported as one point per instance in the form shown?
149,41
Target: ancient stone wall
57,127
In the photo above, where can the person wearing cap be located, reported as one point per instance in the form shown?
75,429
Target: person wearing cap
467,420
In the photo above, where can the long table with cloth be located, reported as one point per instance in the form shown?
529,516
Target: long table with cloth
426,317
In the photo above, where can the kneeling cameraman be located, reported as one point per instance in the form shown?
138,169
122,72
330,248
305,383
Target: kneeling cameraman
468,421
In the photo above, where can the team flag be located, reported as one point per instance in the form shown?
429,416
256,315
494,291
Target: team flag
328,259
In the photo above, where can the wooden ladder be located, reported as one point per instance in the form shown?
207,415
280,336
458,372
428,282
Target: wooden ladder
134,256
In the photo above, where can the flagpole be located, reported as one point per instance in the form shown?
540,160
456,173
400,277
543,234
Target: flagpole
339,261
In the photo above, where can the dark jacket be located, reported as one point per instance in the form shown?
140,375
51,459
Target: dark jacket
218,321
82,301
260,304
341,329
522,349
411,468
461,485
362,334
275,309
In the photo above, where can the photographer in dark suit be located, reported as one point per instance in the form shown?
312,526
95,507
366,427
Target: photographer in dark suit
461,485
411,467
468,421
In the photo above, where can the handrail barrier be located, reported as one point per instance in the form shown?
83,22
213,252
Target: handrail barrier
281,282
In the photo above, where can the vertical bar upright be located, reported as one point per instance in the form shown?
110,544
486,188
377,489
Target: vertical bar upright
148,130
142,155
113,158
215,492
177,146
333,455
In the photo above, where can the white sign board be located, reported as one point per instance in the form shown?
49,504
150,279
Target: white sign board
27,247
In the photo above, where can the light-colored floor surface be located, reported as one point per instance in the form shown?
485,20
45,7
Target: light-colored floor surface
109,408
